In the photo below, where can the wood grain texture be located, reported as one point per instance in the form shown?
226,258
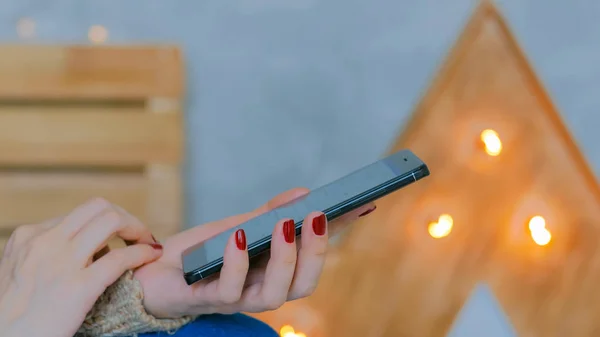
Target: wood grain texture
390,278
78,122
30,197
90,72
113,138
165,190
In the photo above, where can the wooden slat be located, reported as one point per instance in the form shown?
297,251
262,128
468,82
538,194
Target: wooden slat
165,192
83,108
99,107
89,138
89,72
33,197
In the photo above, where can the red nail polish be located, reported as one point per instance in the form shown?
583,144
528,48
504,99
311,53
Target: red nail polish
156,246
319,225
367,212
240,239
289,231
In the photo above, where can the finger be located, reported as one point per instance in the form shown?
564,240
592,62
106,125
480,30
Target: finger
280,269
20,236
278,201
52,222
282,199
73,222
179,242
106,270
311,257
99,230
258,264
145,237
227,289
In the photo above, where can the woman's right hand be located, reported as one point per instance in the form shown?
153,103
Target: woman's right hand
52,273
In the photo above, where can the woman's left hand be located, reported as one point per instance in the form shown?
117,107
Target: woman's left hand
291,272
52,273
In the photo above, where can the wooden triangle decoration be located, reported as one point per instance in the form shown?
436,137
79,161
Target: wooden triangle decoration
510,202
482,316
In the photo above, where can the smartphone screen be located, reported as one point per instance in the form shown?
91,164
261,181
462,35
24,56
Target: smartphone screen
334,199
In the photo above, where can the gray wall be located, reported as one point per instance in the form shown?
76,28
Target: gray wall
287,93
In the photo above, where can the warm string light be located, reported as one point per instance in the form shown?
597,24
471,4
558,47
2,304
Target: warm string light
491,142
26,28
537,227
537,224
288,331
444,224
442,227
97,34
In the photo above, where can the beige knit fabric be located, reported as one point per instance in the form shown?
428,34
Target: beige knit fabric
120,312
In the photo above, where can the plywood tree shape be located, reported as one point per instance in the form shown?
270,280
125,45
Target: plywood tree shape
510,201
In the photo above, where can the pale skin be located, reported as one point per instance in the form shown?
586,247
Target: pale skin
48,277
81,268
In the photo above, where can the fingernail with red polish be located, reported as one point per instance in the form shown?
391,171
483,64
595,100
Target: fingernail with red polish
157,246
240,239
367,212
289,231
319,225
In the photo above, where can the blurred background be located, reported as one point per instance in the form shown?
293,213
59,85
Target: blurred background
248,99
296,93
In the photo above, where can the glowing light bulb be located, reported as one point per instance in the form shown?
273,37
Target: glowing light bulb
97,34
442,227
491,141
541,236
286,330
26,28
537,223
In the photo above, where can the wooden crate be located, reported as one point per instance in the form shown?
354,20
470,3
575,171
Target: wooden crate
78,122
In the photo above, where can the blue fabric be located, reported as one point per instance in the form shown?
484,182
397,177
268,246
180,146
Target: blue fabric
236,325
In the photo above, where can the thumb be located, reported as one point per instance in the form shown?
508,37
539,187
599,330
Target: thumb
281,199
176,244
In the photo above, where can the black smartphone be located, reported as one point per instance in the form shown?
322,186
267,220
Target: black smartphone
334,199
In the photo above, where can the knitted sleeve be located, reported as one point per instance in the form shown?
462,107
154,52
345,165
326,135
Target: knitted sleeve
120,312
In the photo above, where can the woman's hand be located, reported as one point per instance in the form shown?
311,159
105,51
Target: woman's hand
52,273
291,272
